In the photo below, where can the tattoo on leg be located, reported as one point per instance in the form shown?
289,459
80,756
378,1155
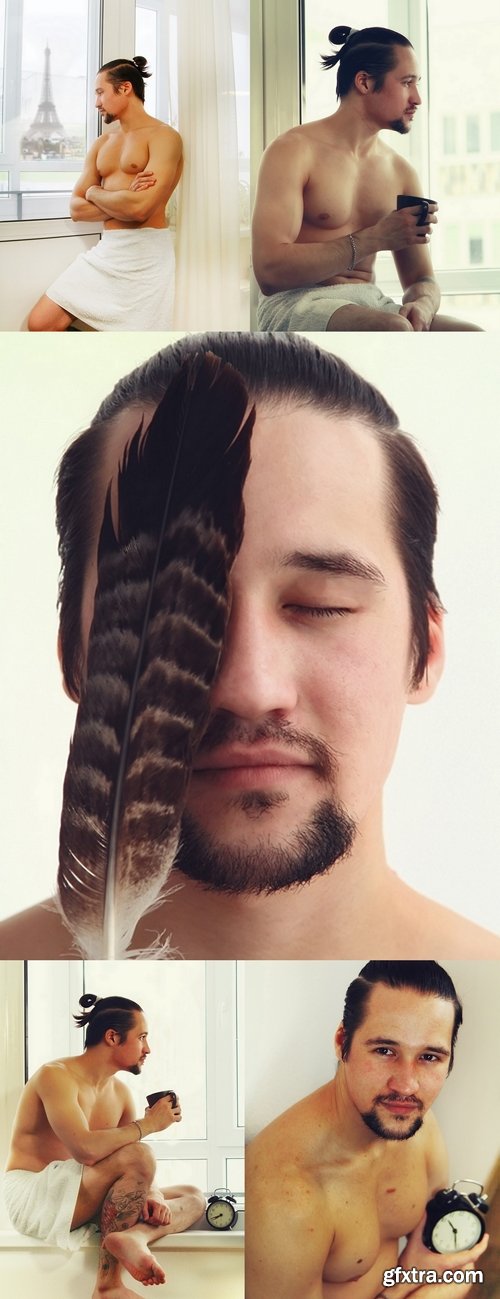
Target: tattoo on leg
121,1209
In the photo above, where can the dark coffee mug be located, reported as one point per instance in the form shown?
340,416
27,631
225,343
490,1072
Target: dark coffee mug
410,200
157,1096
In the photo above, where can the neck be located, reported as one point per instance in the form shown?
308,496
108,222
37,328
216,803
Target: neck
356,129
134,115
335,915
96,1065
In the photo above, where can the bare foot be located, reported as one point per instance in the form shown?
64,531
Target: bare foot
135,1257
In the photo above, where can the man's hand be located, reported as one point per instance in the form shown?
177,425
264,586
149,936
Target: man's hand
156,1211
416,1254
161,1116
420,314
400,230
143,180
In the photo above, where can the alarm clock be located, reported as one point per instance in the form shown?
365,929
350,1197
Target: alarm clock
455,1219
221,1211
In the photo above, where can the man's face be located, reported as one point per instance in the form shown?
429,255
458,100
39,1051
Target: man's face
398,1059
315,674
109,101
395,105
132,1052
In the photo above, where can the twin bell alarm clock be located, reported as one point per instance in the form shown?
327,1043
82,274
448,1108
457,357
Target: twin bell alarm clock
221,1211
455,1218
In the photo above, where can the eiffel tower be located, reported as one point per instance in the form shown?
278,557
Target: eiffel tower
45,137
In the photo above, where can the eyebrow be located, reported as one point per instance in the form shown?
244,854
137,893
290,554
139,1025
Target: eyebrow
338,563
389,1041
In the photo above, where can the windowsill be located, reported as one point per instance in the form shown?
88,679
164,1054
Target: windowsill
192,1239
47,228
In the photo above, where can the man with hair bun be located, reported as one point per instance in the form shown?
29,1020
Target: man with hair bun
76,1155
326,203
126,281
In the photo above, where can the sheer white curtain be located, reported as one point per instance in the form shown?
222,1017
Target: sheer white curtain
207,239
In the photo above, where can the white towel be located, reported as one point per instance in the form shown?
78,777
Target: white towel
42,1204
126,281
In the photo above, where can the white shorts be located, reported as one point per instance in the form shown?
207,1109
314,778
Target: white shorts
310,309
125,282
42,1204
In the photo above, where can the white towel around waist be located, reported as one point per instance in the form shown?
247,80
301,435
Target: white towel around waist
42,1204
125,282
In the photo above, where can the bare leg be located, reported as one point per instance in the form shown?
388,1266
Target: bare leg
48,316
130,1245
449,322
361,318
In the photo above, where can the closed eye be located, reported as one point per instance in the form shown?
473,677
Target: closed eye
318,611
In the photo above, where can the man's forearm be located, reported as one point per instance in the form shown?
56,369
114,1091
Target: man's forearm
81,210
426,287
292,265
126,205
98,1145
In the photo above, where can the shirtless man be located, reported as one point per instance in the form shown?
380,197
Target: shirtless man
336,1180
335,627
126,281
326,204
76,1153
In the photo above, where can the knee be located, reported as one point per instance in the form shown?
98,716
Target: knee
137,1159
33,322
400,323
197,1198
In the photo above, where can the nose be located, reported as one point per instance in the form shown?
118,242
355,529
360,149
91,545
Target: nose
416,96
403,1079
256,676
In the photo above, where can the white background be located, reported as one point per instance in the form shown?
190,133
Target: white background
442,822
293,1009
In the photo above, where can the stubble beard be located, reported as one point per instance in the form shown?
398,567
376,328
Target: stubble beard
310,848
400,126
376,1125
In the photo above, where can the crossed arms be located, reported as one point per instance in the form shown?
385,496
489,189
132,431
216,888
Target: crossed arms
91,202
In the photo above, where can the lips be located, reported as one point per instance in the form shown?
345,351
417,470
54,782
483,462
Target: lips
227,759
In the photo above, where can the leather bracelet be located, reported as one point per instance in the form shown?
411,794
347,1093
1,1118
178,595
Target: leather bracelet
354,256
137,1124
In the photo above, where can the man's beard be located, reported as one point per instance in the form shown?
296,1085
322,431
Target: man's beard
134,1068
309,849
376,1124
399,125
108,118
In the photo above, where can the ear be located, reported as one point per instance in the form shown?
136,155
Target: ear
363,82
435,663
110,1037
126,87
339,1041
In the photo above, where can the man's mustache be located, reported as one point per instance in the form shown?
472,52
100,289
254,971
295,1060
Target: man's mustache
225,728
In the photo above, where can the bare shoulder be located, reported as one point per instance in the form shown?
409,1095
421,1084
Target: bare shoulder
292,1137
407,178
36,934
435,932
164,134
295,144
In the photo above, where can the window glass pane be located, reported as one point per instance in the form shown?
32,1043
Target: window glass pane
495,132
465,181
47,131
235,1176
182,1172
146,45
172,996
319,18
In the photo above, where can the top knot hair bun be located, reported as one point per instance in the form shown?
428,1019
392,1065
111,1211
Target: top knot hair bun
141,63
339,35
88,999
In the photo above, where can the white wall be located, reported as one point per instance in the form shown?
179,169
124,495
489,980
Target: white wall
442,822
292,1011
29,266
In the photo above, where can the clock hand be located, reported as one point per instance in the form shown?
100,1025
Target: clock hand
454,1229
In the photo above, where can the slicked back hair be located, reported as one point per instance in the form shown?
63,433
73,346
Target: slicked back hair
117,1013
426,977
372,50
278,369
120,70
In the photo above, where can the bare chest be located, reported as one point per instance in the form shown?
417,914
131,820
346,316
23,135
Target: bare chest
345,194
101,1109
371,1213
120,154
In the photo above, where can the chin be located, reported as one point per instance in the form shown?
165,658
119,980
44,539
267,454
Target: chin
400,126
134,1068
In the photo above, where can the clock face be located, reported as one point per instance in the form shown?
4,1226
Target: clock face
221,1214
459,1229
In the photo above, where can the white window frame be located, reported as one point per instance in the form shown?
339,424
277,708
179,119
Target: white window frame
278,91
224,1139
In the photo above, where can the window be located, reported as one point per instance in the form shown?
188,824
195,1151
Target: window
495,132
476,257
47,117
449,135
472,134
195,1018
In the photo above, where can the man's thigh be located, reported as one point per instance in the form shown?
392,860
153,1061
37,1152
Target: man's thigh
360,318
47,315
449,322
